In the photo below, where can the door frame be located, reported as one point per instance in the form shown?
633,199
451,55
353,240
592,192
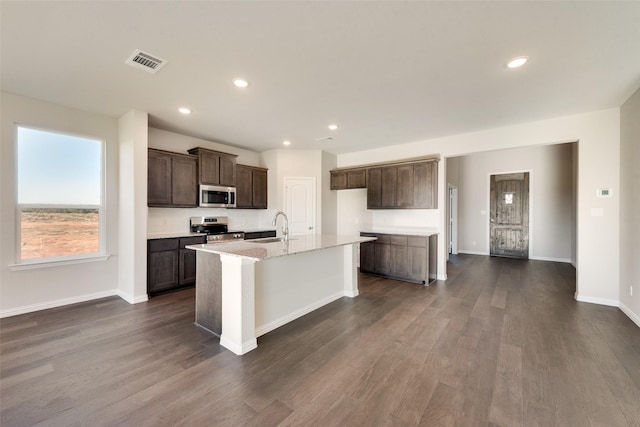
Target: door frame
312,180
453,220
487,213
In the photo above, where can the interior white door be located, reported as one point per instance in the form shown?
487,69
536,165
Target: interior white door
300,205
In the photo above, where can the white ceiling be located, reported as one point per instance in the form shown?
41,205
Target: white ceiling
386,72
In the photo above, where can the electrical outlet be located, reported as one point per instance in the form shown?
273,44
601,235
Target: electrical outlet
630,290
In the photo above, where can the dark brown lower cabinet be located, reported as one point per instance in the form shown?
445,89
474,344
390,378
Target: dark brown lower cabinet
169,265
408,258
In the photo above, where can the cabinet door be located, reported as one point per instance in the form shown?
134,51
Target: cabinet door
184,186
259,190
399,261
163,271
338,180
374,188
417,263
367,257
159,178
389,184
357,178
382,259
404,195
425,185
244,186
228,171
209,168
187,267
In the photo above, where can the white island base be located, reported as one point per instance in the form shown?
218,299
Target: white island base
241,297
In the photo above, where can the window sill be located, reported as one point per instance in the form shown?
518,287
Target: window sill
30,265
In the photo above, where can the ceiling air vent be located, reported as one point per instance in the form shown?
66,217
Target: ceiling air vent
145,61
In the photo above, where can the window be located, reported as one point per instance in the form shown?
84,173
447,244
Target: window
60,210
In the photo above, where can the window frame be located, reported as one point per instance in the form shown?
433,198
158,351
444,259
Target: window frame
101,254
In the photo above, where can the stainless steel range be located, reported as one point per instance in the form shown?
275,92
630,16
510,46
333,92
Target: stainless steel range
216,228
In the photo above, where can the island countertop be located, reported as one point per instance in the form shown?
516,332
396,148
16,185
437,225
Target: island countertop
261,249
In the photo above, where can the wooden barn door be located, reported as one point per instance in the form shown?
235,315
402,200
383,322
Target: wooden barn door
509,221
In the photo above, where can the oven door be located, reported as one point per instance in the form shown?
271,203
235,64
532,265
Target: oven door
217,197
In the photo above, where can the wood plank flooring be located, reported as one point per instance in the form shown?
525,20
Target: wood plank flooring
501,343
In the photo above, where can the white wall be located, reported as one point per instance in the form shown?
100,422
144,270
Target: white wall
170,141
329,198
598,134
293,164
29,290
550,210
630,206
132,271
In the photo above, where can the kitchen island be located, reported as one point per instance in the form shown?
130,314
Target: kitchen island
245,289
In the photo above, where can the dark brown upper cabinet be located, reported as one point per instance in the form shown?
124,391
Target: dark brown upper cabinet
403,186
172,179
251,188
348,178
215,168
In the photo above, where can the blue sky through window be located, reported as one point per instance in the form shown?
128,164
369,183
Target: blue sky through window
54,168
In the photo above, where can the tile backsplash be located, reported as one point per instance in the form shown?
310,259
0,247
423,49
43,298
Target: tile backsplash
166,220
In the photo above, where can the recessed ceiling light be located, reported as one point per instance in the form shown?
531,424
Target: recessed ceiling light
240,83
518,62
286,142
333,127
184,110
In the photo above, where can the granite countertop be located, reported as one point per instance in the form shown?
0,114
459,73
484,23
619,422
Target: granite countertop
405,231
173,234
255,250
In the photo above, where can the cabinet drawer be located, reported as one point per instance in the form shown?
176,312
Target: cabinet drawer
197,240
383,239
417,241
398,240
157,245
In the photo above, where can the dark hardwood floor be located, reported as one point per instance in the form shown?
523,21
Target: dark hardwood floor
502,343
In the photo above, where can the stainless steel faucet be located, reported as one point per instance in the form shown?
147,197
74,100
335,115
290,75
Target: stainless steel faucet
285,228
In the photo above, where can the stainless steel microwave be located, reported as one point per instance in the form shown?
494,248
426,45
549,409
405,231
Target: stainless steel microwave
212,196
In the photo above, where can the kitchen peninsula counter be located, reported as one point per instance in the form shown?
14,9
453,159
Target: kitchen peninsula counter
245,289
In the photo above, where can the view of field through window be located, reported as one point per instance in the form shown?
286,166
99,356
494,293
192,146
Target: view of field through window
59,199
49,232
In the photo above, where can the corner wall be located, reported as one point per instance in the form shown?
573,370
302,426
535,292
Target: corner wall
36,289
630,207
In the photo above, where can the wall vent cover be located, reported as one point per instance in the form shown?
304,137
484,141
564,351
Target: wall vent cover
145,61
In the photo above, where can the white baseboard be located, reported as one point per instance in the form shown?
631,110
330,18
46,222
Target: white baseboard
56,303
441,277
635,318
544,258
601,301
244,348
268,327
462,251
131,299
